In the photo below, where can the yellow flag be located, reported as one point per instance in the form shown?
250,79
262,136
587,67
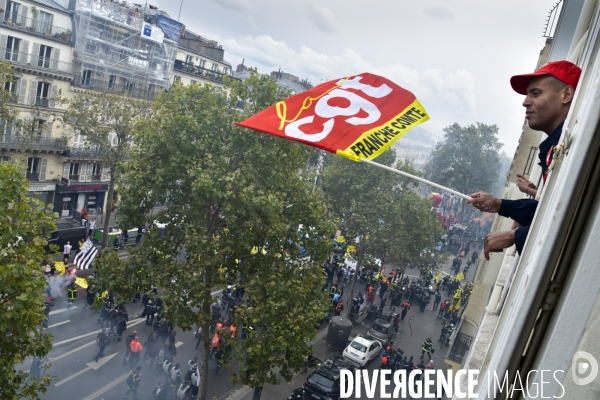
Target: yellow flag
254,250
341,239
438,276
81,282
460,277
60,267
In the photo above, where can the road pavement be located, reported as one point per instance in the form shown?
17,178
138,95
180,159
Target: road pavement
74,333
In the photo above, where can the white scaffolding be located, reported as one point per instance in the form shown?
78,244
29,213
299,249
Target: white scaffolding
111,54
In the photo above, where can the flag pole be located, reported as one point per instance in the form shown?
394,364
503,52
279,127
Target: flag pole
425,181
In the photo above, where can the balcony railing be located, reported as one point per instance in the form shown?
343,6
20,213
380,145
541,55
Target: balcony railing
125,90
460,347
81,152
198,71
35,26
35,61
33,176
22,142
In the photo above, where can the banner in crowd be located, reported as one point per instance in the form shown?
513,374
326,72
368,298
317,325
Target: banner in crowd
87,253
358,117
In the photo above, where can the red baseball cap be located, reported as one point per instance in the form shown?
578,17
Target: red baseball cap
562,70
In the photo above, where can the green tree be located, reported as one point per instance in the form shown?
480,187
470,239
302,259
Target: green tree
23,227
377,206
106,122
226,191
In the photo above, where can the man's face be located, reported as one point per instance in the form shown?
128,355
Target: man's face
544,106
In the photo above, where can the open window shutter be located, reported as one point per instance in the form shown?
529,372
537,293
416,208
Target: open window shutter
90,171
49,129
3,4
43,167
24,52
3,40
22,90
24,11
35,54
66,170
55,56
82,171
32,91
105,174
52,96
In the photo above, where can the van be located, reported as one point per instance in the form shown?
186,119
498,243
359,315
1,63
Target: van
71,234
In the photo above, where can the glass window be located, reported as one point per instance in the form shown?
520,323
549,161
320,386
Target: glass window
360,347
44,22
41,96
86,77
12,48
44,56
12,11
189,59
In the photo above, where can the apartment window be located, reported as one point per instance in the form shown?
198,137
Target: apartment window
189,59
4,159
40,128
78,141
214,67
128,85
226,71
86,77
202,63
12,48
176,78
11,87
45,54
73,171
34,165
12,11
43,91
95,171
111,81
44,22
5,130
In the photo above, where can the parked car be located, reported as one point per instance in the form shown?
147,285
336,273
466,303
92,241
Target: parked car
324,383
382,329
362,350
60,237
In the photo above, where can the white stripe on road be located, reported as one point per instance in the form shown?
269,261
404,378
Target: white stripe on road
114,383
129,324
62,310
106,388
68,353
59,323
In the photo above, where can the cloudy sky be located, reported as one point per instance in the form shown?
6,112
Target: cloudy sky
456,56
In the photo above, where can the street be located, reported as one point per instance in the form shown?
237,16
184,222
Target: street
74,333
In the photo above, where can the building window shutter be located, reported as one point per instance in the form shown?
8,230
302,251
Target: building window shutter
105,174
82,172
43,167
32,91
35,54
22,90
24,49
24,11
66,170
53,93
3,41
55,56
90,171
49,129
3,4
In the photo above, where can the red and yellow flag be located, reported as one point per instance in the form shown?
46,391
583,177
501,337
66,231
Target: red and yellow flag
356,117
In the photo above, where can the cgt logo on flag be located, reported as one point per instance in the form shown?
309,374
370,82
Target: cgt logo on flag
86,255
358,117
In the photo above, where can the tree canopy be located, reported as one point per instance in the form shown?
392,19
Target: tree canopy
467,159
24,223
379,208
227,191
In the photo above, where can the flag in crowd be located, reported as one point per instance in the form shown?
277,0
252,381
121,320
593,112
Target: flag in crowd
87,253
358,117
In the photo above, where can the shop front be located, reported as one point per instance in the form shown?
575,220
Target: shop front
43,192
70,199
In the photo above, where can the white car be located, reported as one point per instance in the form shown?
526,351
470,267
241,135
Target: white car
362,350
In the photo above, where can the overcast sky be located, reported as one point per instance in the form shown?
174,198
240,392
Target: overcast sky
456,56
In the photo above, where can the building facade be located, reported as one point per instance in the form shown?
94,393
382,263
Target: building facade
36,39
